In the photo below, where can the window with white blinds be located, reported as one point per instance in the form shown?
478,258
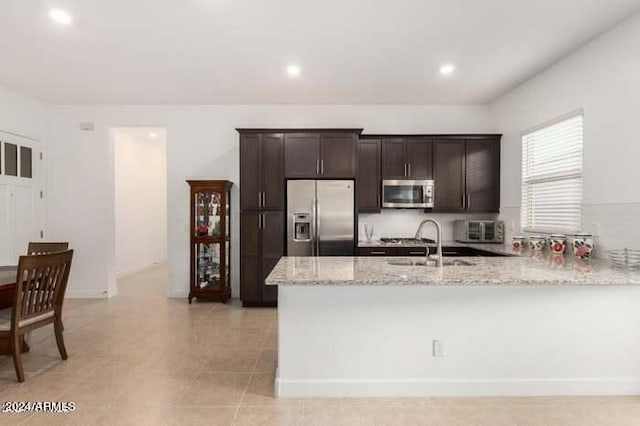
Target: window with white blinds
552,176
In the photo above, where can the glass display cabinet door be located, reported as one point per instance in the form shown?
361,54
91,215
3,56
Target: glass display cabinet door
207,266
207,211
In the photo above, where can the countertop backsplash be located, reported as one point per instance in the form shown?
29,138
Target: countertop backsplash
404,223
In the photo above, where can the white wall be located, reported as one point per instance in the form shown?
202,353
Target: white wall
22,115
603,79
202,143
141,201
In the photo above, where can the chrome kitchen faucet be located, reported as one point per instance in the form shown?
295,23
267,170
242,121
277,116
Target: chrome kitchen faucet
438,255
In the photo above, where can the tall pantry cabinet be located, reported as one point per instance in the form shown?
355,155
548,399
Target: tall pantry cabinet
262,204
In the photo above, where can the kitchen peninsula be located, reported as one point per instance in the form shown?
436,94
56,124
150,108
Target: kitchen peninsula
520,325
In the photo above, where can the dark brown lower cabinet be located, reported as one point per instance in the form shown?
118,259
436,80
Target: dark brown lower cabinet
261,246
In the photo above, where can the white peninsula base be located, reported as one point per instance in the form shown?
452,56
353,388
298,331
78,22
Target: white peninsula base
377,340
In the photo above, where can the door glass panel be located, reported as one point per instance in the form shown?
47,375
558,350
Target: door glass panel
10,159
403,194
207,210
25,162
473,231
489,230
227,219
227,266
207,265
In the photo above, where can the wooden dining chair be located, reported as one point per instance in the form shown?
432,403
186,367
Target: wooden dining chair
46,247
40,287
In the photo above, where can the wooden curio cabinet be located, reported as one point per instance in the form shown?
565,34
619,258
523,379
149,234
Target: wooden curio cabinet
210,239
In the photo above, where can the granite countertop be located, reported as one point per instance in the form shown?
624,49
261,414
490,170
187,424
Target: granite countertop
528,269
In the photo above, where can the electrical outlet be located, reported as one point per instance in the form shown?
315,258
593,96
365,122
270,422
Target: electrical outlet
438,348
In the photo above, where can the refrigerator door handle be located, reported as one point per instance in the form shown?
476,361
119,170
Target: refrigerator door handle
314,233
317,227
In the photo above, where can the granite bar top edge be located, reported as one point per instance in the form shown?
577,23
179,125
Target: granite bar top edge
492,271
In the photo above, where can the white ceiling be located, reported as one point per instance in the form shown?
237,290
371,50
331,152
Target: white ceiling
236,51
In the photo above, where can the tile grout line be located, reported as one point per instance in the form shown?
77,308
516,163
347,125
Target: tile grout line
251,375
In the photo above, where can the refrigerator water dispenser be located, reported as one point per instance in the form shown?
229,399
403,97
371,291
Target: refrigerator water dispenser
302,227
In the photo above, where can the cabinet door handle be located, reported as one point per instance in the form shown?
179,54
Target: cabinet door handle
464,201
318,167
377,252
405,169
468,201
408,169
261,221
322,167
264,199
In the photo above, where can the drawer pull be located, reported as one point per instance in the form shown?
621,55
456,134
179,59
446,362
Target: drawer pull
378,252
417,252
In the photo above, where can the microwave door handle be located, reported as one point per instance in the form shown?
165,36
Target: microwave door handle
425,189
317,227
313,233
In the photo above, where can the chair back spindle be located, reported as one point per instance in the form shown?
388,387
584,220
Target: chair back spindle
41,284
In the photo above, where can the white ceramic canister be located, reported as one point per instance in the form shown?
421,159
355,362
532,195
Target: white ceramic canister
558,243
582,245
519,242
537,242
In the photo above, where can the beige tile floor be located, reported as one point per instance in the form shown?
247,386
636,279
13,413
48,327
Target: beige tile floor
142,359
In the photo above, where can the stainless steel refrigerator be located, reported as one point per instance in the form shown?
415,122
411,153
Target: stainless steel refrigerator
320,218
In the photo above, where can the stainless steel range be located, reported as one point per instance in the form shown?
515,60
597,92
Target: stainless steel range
402,240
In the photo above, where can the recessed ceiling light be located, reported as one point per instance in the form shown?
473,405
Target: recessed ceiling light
293,70
60,16
447,69
153,135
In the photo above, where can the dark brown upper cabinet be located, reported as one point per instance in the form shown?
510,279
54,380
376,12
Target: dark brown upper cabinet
262,171
419,155
406,158
338,155
467,174
320,155
368,183
483,175
448,174
394,165
302,155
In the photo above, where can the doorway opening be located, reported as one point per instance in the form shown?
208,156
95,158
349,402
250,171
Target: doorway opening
140,171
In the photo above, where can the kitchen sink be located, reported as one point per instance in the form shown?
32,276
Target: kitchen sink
446,262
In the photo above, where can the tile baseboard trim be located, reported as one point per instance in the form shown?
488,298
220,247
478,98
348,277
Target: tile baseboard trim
177,293
137,269
455,388
86,294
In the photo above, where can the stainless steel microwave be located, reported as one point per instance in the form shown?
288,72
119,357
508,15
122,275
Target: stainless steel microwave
407,194
479,231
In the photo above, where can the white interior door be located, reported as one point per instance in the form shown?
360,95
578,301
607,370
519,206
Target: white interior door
22,208
6,249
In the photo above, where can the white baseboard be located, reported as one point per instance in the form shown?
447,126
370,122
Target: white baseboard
87,294
178,293
455,388
137,269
